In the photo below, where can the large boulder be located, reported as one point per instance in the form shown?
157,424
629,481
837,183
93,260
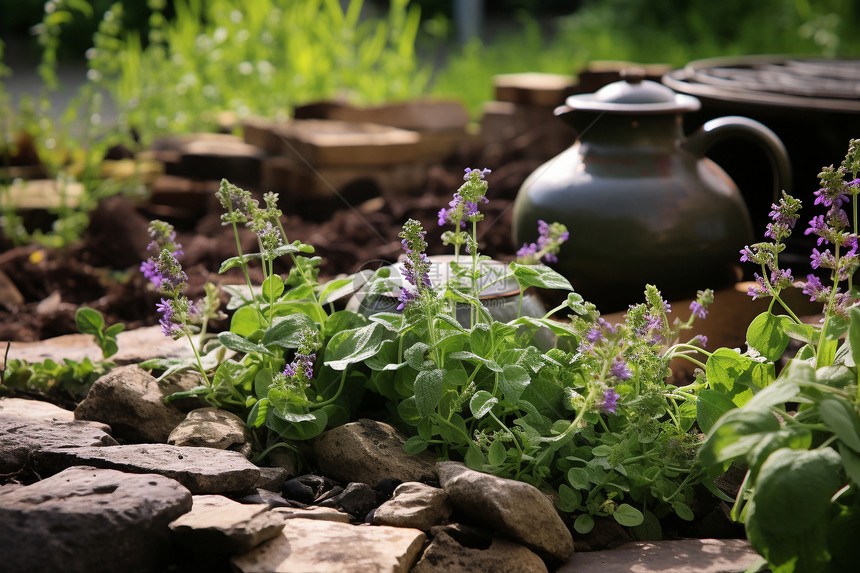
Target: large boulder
131,402
201,470
88,520
368,451
513,508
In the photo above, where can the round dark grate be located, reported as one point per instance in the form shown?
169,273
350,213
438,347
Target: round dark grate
830,85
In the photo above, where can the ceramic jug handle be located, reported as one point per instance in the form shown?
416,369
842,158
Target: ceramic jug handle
736,126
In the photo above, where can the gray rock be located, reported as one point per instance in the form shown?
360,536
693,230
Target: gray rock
284,458
201,470
272,479
677,556
264,496
319,546
20,437
367,451
225,526
446,555
90,520
513,508
357,499
212,428
131,402
313,512
414,505
33,410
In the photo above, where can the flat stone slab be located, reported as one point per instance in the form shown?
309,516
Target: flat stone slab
312,512
313,546
34,410
677,556
201,470
135,346
90,520
225,526
21,437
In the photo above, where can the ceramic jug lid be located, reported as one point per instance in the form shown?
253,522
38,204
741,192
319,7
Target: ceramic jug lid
634,94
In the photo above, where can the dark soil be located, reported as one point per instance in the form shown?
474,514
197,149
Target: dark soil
357,230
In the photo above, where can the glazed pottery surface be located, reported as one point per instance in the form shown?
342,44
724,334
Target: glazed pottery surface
642,203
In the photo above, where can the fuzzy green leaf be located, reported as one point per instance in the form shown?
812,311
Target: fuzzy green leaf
628,516
481,403
273,287
247,320
766,333
287,330
428,391
89,321
842,419
583,524
539,276
415,445
497,454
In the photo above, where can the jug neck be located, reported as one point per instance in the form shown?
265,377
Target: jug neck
660,132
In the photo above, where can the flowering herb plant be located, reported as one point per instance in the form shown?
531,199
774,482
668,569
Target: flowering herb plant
797,433
591,419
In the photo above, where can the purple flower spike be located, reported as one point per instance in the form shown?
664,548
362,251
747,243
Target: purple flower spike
620,370
610,400
699,311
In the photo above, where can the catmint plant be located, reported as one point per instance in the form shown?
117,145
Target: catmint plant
797,433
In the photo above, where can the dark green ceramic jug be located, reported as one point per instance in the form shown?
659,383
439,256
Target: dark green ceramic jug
642,203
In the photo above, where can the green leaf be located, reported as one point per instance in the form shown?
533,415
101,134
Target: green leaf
683,511
568,499
766,333
736,376
114,329
355,345
578,478
89,321
497,454
233,341
257,415
628,516
842,419
481,404
794,488
474,459
583,524
851,463
416,357
735,434
237,261
336,289
710,406
301,430
415,445
273,287
474,358
286,331
246,320
601,451
854,333
428,391
262,382
481,341
513,381
539,276
312,309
